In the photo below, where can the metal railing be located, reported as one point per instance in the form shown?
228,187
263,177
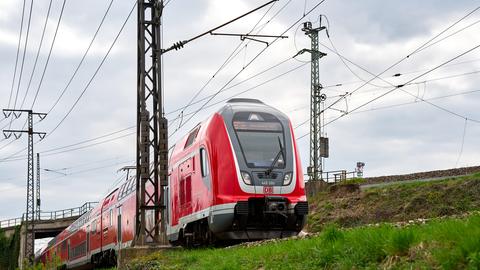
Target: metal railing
336,176
11,222
53,215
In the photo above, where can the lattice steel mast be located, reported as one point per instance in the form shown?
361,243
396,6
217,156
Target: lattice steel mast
152,135
30,213
37,189
316,99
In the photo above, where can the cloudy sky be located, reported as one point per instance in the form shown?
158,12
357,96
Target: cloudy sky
373,34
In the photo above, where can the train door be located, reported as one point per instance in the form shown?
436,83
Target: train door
88,240
68,250
119,226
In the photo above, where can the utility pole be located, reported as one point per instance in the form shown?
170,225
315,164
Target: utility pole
152,134
37,189
30,213
317,142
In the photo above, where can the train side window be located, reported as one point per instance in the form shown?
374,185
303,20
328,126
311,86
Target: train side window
124,190
94,226
191,137
111,218
204,162
131,185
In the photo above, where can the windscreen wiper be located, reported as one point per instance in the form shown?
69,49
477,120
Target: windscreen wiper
275,160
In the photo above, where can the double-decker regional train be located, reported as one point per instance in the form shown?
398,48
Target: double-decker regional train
235,176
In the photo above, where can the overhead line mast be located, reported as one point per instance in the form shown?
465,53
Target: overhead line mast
318,143
28,251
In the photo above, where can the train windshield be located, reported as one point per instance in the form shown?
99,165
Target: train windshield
261,138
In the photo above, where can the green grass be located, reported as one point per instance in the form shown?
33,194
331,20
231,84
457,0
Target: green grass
444,244
349,207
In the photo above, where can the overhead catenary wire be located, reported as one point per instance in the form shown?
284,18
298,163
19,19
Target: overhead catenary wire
82,59
249,63
411,82
18,53
25,47
95,73
415,51
49,54
230,58
251,88
73,173
236,84
463,143
402,85
399,104
37,54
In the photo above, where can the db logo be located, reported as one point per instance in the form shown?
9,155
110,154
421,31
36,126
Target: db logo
267,190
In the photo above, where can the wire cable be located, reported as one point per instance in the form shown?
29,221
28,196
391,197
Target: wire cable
248,64
37,54
409,55
463,143
227,61
83,58
18,53
49,54
409,81
95,73
25,46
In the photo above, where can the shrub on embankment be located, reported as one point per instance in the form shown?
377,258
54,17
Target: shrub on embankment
442,243
9,250
348,205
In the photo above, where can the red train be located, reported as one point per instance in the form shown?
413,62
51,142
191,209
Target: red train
235,176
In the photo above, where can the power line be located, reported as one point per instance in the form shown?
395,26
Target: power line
18,52
397,74
73,173
96,71
49,53
38,53
402,85
237,84
248,64
410,82
251,88
408,56
399,105
232,56
83,57
60,150
24,53
415,78
463,142
43,73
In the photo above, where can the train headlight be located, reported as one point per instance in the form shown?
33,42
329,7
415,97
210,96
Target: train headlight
287,179
246,178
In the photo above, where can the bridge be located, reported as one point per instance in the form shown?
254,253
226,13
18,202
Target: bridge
50,224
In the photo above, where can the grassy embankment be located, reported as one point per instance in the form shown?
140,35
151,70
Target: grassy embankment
348,206
443,243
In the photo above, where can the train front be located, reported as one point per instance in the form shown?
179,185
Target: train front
271,199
